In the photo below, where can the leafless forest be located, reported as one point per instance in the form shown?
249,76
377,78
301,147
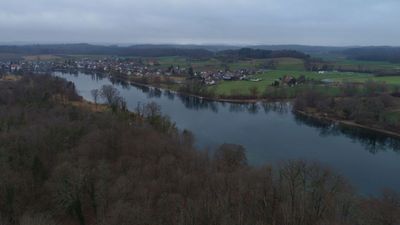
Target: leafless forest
65,163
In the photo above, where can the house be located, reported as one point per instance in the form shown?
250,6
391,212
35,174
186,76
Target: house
243,77
301,79
210,82
256,79
226,77
289,80
15,67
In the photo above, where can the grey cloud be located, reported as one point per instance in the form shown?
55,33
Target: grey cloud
314,22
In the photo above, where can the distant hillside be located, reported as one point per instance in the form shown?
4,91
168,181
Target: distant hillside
389,54
212,48
251,53
216,48
149,50
302,48
87,49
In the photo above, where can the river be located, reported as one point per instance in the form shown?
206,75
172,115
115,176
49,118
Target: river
270,132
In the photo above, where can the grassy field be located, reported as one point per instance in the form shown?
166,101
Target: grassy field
243,87
283,66
10,56
366,65
215,64
339,60
287,64
173,60
390,80
41,57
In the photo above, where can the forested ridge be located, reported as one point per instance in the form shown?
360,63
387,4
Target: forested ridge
389,54
88,49
62,163
250,53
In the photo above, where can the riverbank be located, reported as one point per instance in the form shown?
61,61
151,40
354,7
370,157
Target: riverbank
240,99
217,99
347,123
315,115
309,114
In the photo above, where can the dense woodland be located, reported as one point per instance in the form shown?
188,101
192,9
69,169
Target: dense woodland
389,54
87,49
249,53
370,104
148,51
64,161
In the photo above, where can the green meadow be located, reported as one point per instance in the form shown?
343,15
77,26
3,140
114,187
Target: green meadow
243,86
281,67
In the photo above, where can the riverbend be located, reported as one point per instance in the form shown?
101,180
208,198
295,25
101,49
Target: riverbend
270,132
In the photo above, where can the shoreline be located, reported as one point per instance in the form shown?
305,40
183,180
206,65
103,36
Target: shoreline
247,101
216,99
349,124
313,115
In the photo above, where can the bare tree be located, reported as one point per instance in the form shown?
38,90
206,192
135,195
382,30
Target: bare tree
254,91
109,93
95,95
113,98
36,219
230,157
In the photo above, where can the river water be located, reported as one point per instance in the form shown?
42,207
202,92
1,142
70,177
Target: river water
270,132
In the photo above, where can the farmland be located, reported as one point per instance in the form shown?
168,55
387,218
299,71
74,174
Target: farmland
295,67
272,69
229,76
243,87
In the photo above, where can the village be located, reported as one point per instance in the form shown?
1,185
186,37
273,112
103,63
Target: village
136,68
132,67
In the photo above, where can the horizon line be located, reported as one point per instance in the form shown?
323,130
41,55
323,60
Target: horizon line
126,44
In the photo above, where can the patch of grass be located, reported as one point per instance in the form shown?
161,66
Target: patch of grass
392,117
289,64
10,56
211,64
41,57
280,64
242,87
390,80
10,77
172,60
214,64
366,65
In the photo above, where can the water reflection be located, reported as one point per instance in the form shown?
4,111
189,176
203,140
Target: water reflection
96,76
236,107
278,107
195,103
372,141
253,108
100,76
143,88
154,92
169,94
123,83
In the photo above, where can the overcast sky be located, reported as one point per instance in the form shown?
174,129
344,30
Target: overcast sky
311,22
